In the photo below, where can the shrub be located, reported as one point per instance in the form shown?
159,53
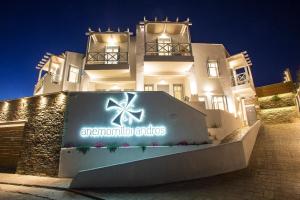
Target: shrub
112,147
275,98
143,147
83,149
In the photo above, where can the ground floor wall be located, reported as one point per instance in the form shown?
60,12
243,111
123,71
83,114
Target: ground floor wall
42,134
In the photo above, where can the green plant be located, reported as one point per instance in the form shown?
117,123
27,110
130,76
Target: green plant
113,147
83,149
143,147
275,98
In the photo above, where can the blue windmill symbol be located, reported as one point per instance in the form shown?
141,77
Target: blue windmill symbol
125,110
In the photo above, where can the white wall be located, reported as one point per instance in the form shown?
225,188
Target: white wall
208,86
72,161
187,165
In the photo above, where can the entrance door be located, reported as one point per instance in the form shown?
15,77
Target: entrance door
164,88
178,91
251,114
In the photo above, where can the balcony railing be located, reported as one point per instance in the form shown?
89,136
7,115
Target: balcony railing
107,57
240,79
168,49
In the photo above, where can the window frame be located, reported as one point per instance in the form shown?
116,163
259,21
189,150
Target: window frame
182,90
216,68
224,101
148,85
78,75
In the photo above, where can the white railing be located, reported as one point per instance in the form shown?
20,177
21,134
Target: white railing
168,49
240,79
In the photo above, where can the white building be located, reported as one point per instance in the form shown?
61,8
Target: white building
160,57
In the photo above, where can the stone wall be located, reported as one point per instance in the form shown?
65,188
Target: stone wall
277,101
42,132
277,108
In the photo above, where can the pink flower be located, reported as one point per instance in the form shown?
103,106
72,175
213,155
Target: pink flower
99,145
125,145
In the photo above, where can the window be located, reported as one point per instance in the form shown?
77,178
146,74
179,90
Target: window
164,47
73,74
213,70
178,91
55,73
203,99
148,87
219,102
111,54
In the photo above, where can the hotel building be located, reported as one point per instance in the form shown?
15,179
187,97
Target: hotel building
160,56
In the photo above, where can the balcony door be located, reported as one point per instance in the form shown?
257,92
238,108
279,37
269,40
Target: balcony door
164,45
111,54
178,91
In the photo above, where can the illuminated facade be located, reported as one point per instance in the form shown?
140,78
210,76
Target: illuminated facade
159,57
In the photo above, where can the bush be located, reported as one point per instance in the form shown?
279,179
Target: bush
143,147
83,149
112,147
275,98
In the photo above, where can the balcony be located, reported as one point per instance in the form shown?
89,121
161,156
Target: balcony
107,64
167,58
49,83
168,52
107,60
243,85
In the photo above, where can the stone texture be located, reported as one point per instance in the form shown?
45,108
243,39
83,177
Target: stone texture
285,100
278,115
42,132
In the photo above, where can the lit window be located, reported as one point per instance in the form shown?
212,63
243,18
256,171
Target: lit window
164,46
219,102
73,74
55,73
148,88
213,70
178,91
111,54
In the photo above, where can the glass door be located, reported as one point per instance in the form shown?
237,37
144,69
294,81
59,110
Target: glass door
178,91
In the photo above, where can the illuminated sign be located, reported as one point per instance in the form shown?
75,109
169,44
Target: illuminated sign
122,122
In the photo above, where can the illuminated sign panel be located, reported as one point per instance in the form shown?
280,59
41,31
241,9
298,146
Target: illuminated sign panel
133,118
122,122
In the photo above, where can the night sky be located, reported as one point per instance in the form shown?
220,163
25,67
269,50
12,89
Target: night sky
269,31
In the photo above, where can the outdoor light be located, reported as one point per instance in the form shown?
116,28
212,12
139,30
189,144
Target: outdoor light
112,41
163,82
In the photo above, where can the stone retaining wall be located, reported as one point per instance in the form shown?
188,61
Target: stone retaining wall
277,101
277,108
42,132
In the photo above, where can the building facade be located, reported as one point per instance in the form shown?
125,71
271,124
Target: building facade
159,57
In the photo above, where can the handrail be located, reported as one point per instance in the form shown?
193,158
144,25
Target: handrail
107,57
168,49
240,79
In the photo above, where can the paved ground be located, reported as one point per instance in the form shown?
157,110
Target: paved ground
273,173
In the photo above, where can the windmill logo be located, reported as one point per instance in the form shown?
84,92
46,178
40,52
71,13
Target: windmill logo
126,113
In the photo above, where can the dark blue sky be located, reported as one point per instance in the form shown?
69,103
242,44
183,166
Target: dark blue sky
268,30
